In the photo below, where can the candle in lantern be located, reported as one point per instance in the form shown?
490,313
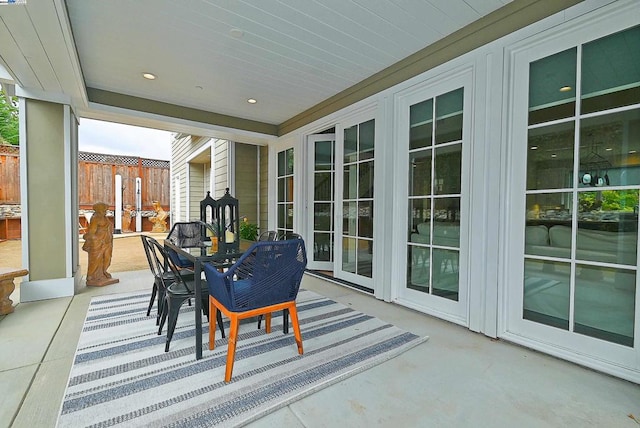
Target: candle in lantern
229,237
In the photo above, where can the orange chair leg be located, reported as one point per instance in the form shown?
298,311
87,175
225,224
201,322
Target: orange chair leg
267,322
231,352
293,313
213,316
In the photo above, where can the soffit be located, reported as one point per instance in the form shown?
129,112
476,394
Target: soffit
296,58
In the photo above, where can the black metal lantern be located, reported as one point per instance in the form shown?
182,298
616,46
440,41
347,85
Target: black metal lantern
212,220
229,224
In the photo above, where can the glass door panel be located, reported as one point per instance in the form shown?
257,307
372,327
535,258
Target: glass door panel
435,180
321,202
284,181
357,204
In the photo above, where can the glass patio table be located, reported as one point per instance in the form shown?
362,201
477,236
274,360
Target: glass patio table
199,252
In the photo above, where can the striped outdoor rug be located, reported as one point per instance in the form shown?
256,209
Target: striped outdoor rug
122,376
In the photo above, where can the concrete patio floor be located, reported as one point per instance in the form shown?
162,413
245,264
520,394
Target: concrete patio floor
456,379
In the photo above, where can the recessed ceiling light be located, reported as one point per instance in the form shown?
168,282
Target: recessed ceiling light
632,152
252,101
236,32
534,147
566,89
149,76
609,149
553,155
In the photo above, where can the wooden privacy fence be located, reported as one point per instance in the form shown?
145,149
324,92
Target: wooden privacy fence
96,179
9,174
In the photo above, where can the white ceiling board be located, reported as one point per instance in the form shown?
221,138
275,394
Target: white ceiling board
292,56
485,7
13,60
34,52
458,11
19,33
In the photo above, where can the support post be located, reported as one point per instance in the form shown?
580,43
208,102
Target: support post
118,210
138,204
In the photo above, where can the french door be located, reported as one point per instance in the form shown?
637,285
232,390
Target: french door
355,244
340,201
433,139
573,265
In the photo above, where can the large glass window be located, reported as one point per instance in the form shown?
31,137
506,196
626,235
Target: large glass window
583,188
435,169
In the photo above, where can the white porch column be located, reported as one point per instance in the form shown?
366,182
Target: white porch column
49,197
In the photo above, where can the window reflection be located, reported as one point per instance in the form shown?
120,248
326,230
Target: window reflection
420,173
610,72
550,157
552,87
448,168
449,117
610,150
421,124
546,292
605,303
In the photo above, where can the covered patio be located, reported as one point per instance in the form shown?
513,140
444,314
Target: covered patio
369,75
457,378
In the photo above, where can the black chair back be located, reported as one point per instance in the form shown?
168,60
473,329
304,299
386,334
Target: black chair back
268,235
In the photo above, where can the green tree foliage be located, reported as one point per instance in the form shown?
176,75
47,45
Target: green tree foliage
619,200
9,120
608,200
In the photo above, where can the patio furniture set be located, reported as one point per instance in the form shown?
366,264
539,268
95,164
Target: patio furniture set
262,279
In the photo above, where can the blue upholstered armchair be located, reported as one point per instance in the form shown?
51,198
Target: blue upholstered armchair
265,279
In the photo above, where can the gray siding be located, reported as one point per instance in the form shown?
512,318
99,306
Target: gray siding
264,188
180,144
246,180
193,186
221,172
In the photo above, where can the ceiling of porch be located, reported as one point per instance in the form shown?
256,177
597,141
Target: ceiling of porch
298,59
